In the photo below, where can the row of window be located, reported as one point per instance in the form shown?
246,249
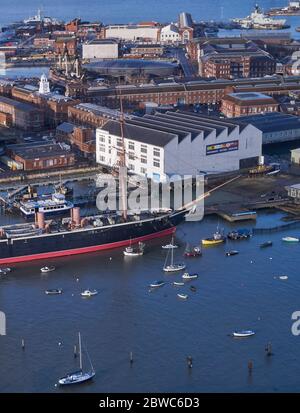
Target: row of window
131,146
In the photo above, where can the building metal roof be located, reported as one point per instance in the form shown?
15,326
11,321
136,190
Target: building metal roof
139,133
65,127
271,122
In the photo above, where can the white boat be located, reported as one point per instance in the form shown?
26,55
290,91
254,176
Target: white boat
157,284
169,246
290,239
54,291
89,293
47,269
131,252
187,276
79,376
183,296
283,277
56,204
5,270
178,284
243,333
172,267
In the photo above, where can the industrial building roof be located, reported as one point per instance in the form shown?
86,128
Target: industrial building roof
139,133
271,122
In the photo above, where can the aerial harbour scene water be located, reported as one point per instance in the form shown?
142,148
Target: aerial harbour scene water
149,197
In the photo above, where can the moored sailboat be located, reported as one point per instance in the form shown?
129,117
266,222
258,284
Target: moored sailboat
172,267
79,376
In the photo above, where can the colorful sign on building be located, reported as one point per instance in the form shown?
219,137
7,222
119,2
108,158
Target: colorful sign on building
222,147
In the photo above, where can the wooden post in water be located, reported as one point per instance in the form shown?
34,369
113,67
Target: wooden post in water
23,344
189,362
75,351
131,357
268,349
250,366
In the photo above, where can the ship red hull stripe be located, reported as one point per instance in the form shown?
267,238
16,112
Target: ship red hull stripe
85,250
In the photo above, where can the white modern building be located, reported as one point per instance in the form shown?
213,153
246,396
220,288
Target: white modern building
170,34
101,49
182,143
133,32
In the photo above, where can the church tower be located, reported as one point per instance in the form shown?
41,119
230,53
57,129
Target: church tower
44,85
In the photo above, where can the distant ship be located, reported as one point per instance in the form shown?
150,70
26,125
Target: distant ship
293,9
259,20
39,18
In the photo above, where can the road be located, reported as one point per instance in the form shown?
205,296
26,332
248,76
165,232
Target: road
187,67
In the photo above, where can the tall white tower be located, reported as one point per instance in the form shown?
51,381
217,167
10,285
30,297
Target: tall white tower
44,85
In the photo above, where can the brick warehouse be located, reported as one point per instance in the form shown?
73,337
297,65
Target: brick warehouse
23,115
200,91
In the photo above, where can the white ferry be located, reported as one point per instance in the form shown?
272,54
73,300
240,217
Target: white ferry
259,20
56,204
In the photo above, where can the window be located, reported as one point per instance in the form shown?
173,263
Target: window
131,156
119,142
156,152
143,170
143,159
102,148
156,163
131,167
143,148
131,145
101,138
102,158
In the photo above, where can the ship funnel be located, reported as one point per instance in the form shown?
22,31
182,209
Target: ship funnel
40,220
75,215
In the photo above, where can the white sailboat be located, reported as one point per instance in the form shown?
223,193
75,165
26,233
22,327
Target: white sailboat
78,376
172,267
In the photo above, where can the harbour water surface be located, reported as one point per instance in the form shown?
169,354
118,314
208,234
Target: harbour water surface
240,292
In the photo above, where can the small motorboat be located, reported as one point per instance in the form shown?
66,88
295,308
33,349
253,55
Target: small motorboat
283,277
193,288
131,252
183,296
216,239
243,333
169,246
4,271
266,244
187,276
178,284
230,253
89,293
290,239
54,291
47,269
239,234
157,284
192,252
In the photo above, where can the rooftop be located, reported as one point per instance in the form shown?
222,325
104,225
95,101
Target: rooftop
25,107
42,151
271,122
140,133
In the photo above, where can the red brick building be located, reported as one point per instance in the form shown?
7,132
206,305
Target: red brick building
42,157
247,103
23,115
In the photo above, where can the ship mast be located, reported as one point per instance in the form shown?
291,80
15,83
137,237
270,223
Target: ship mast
122,165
